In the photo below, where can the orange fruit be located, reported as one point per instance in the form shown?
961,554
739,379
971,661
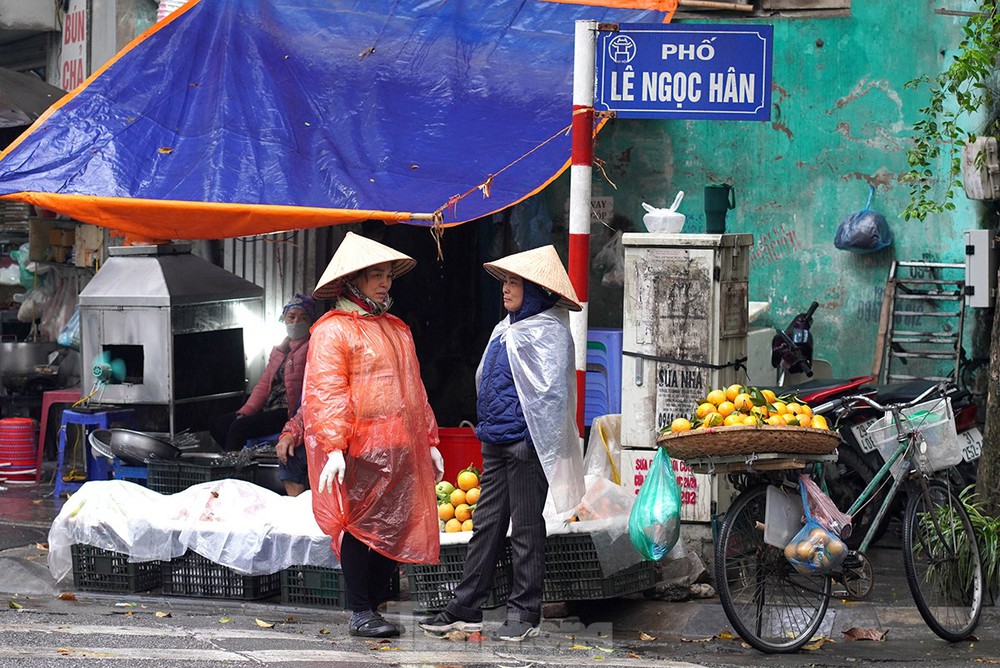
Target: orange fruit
775,420
750,419
805,410
704,409
726,407
769,396
716,397
743,402
453,526
733,418
680,424
805,420
446,511
713,420
467,525
819,422
733,391
467,480
780,408
472,496
457,497
463,512
794,408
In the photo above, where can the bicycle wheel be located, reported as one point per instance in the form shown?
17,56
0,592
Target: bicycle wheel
770,605
942,562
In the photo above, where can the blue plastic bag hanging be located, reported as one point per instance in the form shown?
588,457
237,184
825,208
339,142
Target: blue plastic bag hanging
655,523
864,231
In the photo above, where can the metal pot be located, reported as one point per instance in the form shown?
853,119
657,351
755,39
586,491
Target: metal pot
137,448
19,358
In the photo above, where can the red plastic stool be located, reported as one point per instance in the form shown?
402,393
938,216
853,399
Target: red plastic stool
68,396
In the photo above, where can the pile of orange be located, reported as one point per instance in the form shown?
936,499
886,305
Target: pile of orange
457,503
745,405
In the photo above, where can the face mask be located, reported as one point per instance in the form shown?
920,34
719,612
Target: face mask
297,330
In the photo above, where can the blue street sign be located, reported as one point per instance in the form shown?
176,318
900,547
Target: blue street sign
693,71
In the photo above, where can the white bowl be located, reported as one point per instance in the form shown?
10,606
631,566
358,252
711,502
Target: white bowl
664,222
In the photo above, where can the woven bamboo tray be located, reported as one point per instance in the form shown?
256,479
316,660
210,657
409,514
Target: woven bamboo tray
748,439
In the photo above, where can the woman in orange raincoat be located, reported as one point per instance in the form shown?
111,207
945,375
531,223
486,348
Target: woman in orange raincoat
370,435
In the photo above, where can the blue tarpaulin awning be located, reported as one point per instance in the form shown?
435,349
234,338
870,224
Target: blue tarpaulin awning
238,117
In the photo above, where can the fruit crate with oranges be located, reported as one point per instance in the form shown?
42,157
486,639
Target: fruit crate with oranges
573,571
742,420
457,502
431,585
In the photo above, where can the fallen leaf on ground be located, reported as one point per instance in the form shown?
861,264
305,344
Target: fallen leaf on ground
264,625
289,618
455,635
162,614
725,635
981,660
854,633
324,632
817,643
709,639
126,605
633,656
41,546
580,647
14,606
67,596
645,636
225,620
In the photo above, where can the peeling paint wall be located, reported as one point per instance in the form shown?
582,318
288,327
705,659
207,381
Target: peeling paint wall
841,121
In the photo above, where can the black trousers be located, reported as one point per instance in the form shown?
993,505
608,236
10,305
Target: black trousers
231,431
512,493
368,574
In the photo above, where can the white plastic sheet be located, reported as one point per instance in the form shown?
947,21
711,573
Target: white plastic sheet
231,522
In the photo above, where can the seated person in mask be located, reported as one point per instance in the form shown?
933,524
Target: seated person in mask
276,396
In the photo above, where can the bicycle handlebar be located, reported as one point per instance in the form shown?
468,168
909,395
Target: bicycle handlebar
847,401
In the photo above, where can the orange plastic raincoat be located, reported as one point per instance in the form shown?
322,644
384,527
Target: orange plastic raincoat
363,395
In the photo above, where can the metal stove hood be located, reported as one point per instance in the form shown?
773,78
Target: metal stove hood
165,275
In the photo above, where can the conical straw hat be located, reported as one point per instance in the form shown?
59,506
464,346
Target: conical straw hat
356,253
542,267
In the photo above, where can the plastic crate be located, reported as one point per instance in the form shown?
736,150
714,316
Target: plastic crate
431,585
573,572
96,569
135,474
316,585
193,575
172,476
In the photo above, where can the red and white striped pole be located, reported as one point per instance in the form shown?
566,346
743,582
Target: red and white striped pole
582,139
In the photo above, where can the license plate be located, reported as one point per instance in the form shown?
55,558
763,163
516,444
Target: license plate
864,439
972,444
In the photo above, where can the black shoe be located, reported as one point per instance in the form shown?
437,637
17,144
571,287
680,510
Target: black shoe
400,629
375,627
445,621
514,630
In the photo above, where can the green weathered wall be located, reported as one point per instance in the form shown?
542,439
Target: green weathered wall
840,120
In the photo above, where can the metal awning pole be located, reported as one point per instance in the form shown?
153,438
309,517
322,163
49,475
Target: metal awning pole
580,187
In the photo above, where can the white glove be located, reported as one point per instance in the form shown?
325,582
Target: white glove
438,461
334,468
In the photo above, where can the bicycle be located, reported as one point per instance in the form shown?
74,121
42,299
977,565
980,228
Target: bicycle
777,609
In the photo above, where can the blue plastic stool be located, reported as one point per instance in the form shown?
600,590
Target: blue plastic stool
97,467
612,342
259,440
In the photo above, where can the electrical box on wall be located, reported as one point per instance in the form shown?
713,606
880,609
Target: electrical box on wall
980,268
981,169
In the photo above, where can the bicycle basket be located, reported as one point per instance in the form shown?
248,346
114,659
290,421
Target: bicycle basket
935,423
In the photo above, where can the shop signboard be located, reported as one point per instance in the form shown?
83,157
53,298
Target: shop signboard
685,71
73,66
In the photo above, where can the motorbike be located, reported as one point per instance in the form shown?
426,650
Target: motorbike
858,457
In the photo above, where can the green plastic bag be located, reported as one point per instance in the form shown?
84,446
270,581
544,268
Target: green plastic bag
655,523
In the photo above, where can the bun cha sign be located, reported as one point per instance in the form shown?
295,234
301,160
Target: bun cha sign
711,71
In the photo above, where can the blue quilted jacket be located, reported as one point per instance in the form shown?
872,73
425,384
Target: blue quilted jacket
501,419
